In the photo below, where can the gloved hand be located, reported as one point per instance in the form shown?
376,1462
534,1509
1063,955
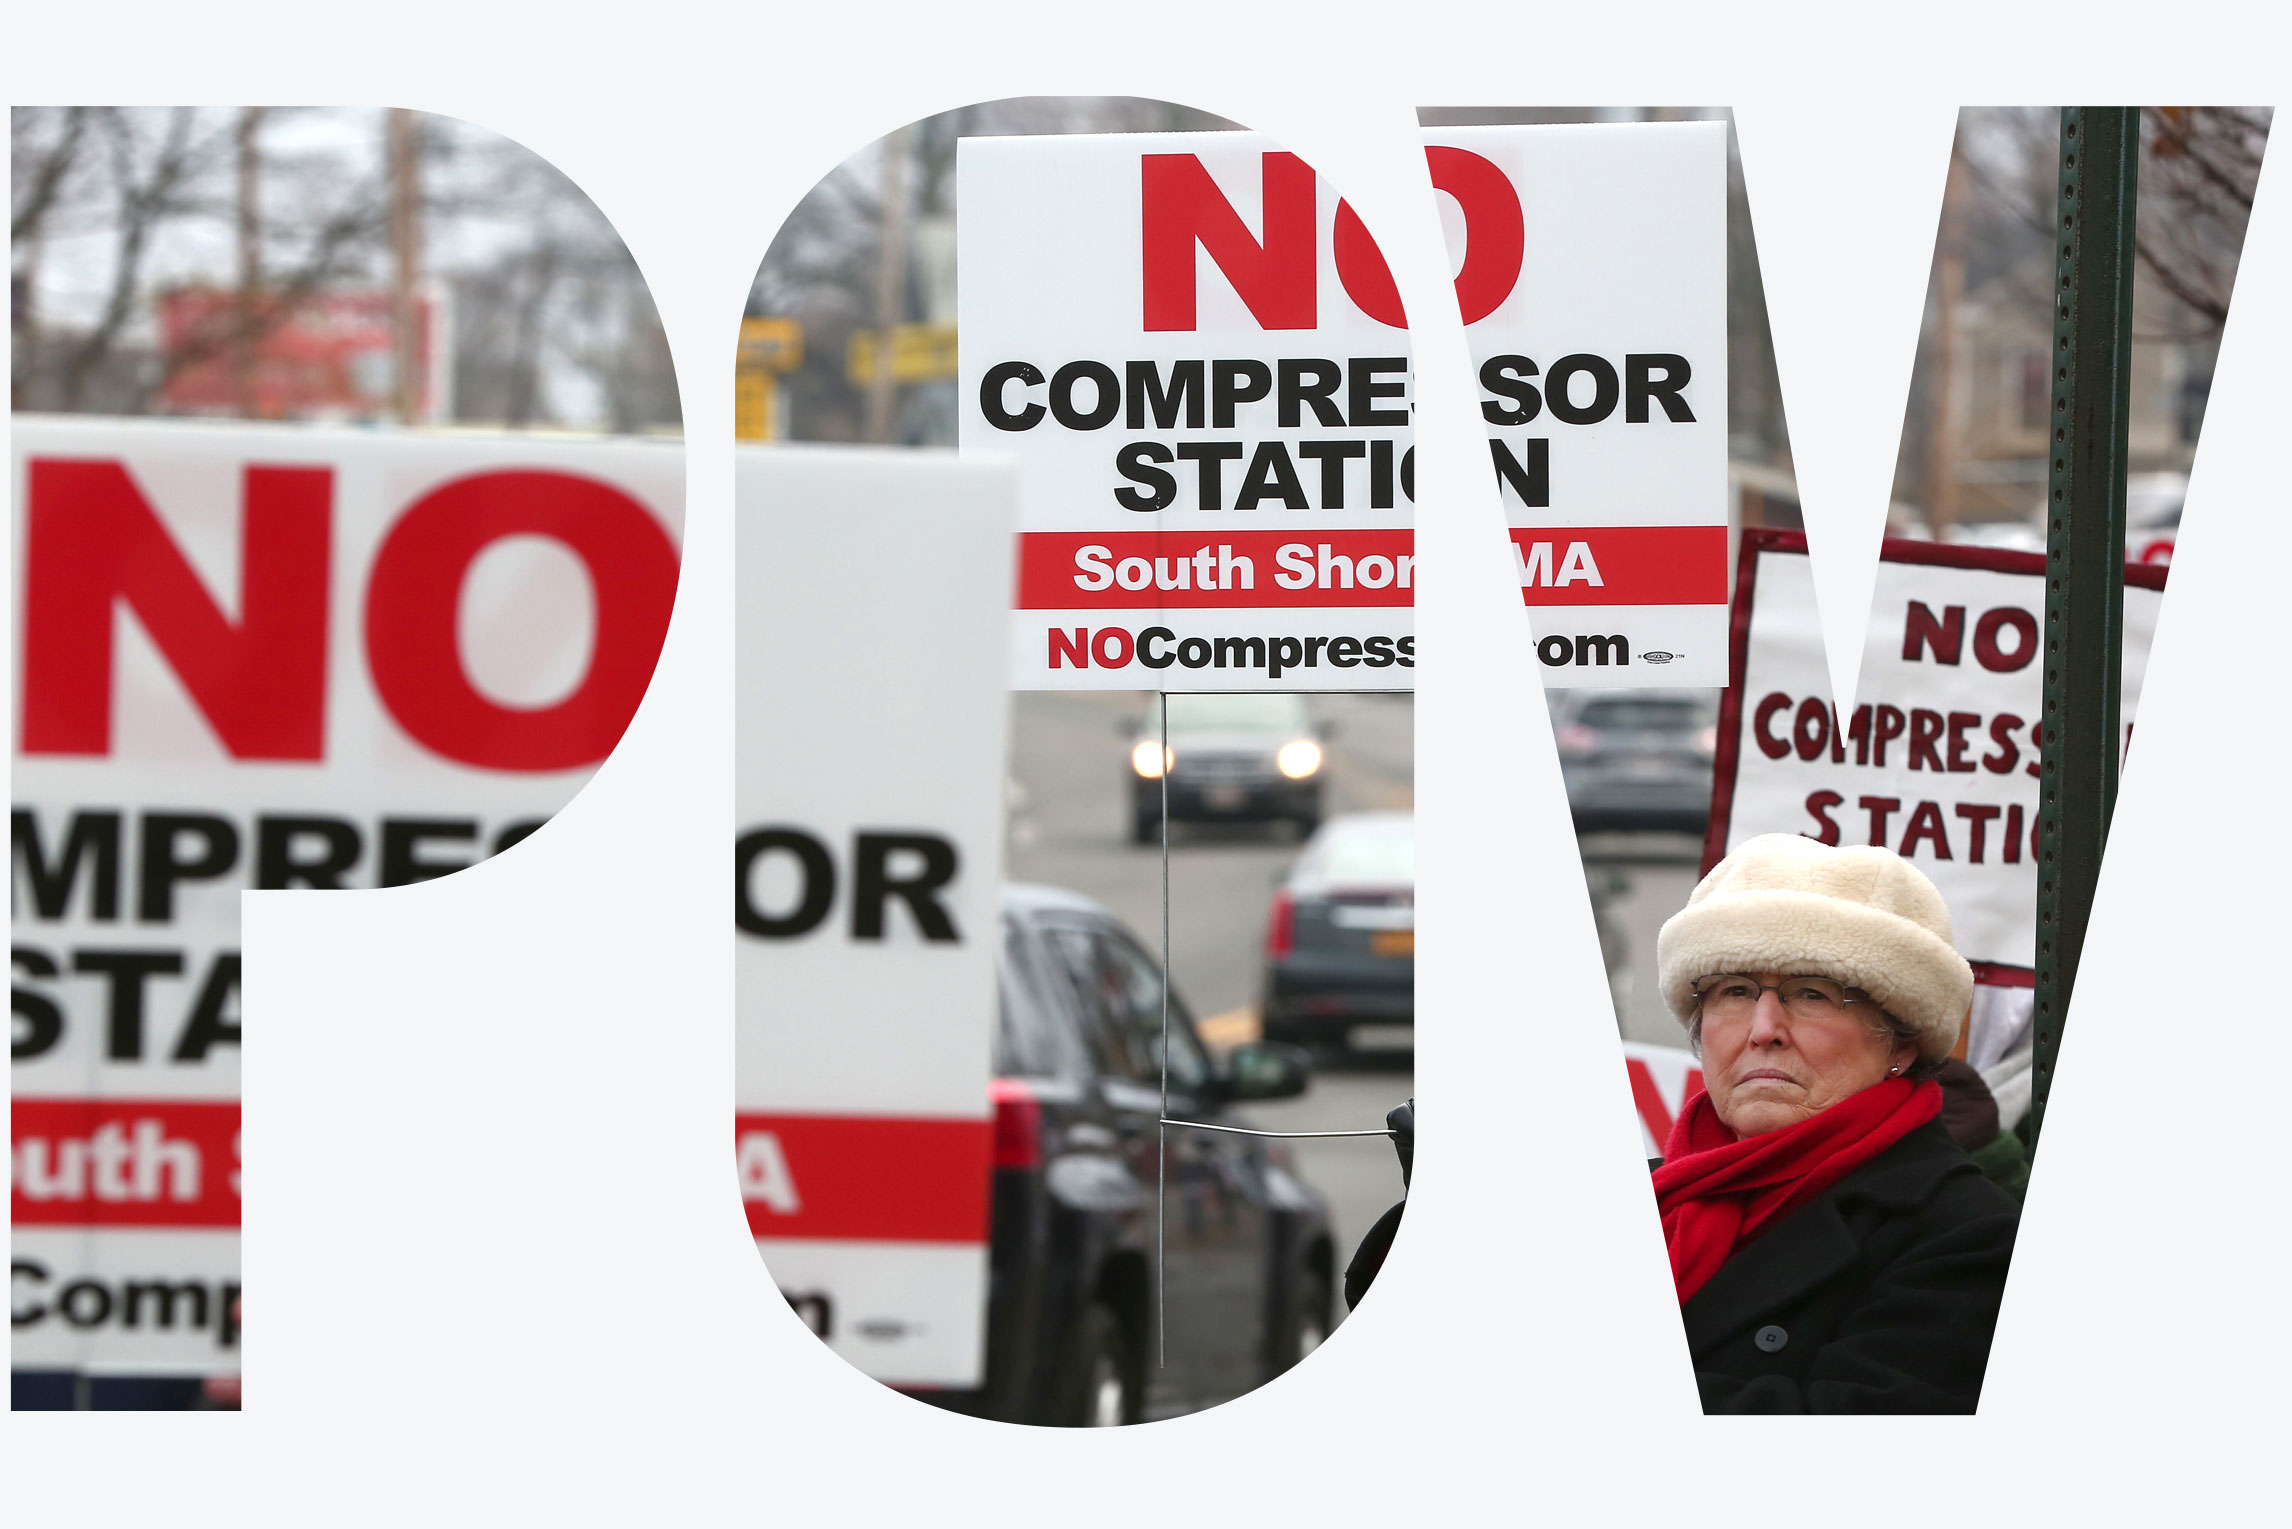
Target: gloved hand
1369,1257
1402,1122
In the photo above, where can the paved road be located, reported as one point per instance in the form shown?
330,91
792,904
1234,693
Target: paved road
1069,827
1655,872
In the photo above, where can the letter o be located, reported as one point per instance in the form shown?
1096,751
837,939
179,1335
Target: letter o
413,601
69,1305
1810,729
1605,389
1495,240
1110,647
819,883
1990,654
1556,650
1374,571
1129,565
1194,652
1102,379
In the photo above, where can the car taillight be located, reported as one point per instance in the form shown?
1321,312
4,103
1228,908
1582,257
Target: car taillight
1576,740
1018,1124
1707,742
1281,926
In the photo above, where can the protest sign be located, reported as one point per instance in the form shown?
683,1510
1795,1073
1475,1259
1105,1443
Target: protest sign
1663,1079
1198,358
1939,759
1603,381
257,657
872,590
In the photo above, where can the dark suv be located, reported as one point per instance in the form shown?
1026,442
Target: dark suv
1230,757
1638,759
1071,1289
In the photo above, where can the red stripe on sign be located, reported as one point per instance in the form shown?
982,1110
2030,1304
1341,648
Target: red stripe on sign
1648,1100
864,1177
1621,565
1234,570
1996,974
125,1162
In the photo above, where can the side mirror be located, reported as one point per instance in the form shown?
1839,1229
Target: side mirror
1267,1070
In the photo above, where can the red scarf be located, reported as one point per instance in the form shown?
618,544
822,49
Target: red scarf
1716,1192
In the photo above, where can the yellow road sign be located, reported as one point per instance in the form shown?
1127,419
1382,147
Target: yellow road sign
768,347
771,345
919,353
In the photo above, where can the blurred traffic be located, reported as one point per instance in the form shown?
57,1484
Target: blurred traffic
1341,939
1226,758
1072,1330
1072,824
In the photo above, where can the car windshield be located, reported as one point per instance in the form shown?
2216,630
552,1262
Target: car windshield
1379,853
1284,714
1643,714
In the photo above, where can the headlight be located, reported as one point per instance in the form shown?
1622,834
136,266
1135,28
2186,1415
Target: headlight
1299,759
1150,759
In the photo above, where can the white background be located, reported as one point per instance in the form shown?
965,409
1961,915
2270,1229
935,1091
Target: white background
560,1314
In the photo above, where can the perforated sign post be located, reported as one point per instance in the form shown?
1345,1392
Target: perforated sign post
265,657
872,592
1199,360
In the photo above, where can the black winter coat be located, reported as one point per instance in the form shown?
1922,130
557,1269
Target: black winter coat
1878,1296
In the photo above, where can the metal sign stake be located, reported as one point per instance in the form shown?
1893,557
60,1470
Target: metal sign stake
2084,550
1162,1128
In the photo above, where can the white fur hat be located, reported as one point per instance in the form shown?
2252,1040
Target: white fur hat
1860,915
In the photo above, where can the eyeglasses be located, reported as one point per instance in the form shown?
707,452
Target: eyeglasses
1733,996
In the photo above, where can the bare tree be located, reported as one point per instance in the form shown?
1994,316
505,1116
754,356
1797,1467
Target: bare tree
113,207
148,174
2199,167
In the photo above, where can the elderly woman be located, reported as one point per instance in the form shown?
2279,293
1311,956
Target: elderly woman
1834,1250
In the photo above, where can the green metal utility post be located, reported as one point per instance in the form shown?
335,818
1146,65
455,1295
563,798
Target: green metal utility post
2084,549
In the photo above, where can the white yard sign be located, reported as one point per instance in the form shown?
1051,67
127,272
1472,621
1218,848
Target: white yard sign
1939,760
872,591
263,657
1200,362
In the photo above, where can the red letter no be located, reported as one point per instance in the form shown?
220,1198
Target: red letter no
413,603
93,543
1180,206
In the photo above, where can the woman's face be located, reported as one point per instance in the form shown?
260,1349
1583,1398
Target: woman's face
1773,1069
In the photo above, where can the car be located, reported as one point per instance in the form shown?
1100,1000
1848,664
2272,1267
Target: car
1254,757
1638,760
1340,939
1072,1297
